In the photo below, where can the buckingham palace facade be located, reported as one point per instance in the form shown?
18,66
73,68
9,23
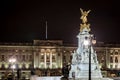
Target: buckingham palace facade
49,56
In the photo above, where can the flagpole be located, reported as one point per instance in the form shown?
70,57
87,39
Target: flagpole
46,30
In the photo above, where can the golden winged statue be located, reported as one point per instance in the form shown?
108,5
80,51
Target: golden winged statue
84,15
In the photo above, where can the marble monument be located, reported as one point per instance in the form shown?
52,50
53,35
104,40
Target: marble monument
80,66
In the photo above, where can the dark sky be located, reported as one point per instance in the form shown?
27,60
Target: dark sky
24,20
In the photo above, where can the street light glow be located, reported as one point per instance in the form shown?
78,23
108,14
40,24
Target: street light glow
86,42
13,66
12,60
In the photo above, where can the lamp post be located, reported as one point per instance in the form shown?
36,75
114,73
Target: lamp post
12,61
90,62
88,42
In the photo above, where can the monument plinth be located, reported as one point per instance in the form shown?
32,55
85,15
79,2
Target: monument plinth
84,62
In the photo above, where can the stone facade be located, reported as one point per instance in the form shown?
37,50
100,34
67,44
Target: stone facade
49,56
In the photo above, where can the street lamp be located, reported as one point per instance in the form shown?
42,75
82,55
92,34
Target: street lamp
88,42
12,61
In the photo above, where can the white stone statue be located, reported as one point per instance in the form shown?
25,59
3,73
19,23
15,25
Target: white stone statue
80,61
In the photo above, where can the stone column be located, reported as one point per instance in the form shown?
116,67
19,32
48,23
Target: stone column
50,59
45,60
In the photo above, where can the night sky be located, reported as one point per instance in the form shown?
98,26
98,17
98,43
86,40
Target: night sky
24,20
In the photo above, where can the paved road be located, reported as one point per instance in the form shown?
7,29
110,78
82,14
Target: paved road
116,78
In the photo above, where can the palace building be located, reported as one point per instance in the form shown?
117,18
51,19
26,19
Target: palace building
49,57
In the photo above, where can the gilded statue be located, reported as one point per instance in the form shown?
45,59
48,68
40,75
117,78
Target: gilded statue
87,26
84,15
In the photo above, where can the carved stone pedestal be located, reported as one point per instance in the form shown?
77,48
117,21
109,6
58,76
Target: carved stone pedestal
91,79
